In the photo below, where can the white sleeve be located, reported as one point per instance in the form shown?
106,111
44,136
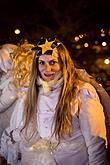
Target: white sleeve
17,115
16,121
92,123
7,97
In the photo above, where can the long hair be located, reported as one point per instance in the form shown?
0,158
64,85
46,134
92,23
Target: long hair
62,118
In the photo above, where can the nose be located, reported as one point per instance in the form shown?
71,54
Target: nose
48,68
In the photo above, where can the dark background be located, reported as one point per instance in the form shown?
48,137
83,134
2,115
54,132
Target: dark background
66,19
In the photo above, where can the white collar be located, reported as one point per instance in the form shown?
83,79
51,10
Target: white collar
47,87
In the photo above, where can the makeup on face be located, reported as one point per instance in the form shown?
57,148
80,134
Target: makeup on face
49,66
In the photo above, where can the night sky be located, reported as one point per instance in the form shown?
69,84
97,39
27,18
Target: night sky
62,17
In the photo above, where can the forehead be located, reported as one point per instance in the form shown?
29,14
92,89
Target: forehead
54,56
47,58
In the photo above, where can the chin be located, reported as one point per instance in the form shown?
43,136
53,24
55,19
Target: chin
48,79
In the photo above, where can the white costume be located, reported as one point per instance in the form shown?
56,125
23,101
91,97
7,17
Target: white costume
8,93
86,145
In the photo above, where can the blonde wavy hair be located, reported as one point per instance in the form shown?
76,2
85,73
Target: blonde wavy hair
22,62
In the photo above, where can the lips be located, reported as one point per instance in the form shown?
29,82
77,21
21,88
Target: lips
48,75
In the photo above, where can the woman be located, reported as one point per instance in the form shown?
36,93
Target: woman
60,121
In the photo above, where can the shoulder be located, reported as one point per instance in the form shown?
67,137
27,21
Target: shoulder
86,90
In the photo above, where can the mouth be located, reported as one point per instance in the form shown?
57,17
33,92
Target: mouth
48,75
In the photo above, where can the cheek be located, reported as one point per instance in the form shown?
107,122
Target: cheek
57,68
41,68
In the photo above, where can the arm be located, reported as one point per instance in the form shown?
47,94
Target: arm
11,136
7,97
92,123
104,97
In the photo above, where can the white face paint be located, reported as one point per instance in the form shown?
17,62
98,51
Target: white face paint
49,66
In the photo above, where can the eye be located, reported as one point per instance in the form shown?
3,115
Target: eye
52,62
41,62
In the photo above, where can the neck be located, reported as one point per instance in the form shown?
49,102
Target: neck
47,87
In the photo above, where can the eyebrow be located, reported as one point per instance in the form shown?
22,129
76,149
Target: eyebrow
49,60
41,60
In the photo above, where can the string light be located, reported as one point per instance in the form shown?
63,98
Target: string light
17,31
86,44
76,38
104,43
81,36
107,61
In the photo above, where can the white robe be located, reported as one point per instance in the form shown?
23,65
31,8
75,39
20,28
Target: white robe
87,144
8,96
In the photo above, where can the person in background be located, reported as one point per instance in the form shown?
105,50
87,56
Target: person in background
8,93
60,119
20,70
